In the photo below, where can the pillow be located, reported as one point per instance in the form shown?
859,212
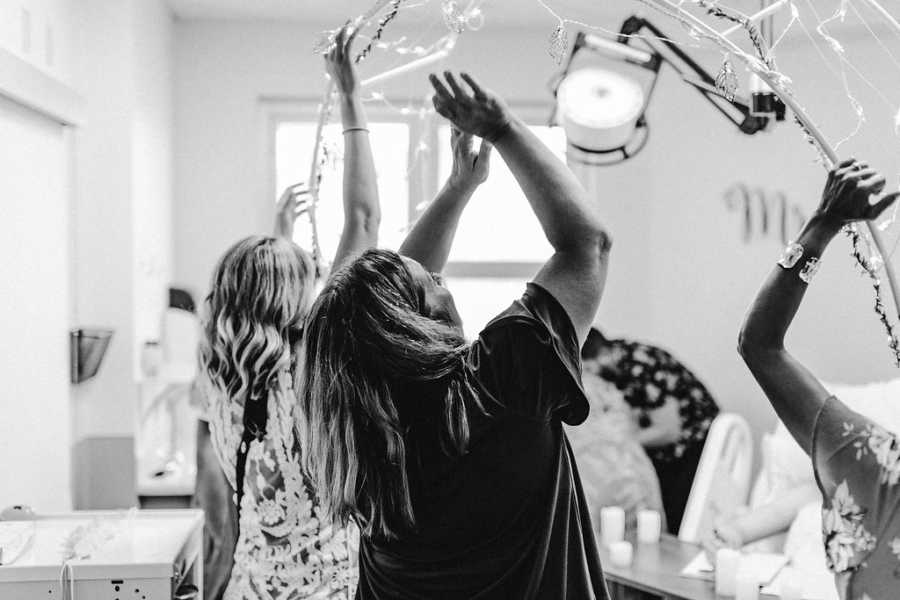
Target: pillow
879,401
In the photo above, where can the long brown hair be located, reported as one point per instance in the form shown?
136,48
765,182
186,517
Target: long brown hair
368,337
260,294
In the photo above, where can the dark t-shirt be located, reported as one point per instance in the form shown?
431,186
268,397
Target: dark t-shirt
508,519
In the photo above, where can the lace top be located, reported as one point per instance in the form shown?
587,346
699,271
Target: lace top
285,549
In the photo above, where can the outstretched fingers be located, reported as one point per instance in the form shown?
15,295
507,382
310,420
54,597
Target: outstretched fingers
459,93
476,88
879,207
354,30
440,89
337,52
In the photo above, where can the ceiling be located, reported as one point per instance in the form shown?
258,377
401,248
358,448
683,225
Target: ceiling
506,12
502,13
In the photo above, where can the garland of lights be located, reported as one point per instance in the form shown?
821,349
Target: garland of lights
780,84
870,267
455,18
763,65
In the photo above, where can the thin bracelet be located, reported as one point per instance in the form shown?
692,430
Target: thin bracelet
349,129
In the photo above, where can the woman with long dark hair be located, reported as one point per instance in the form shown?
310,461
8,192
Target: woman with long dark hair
260,294
856,462
451,455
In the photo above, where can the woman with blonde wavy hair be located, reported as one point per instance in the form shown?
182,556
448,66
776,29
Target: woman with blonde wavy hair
260,294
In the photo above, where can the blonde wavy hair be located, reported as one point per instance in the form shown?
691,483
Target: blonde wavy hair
261,291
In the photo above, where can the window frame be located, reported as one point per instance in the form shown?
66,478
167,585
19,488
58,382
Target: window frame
422,177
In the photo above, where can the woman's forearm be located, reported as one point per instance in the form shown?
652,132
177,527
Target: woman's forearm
560,202
431,237
777,516
777,302
794,392
362,214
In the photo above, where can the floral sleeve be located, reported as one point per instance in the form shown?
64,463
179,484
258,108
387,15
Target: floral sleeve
857,466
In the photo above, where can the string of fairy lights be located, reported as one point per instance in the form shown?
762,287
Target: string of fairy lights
463,16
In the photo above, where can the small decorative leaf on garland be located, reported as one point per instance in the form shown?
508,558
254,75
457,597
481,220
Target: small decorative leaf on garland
756,37
727,80
871,267
559,43
395,9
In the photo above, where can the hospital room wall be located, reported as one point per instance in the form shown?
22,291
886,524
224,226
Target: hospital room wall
682,273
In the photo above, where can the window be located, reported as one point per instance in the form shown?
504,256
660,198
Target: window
499,244
498,225
390,149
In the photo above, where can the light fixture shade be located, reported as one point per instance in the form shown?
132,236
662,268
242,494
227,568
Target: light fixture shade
599,109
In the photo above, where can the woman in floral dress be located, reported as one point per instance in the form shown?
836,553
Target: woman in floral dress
261,292
856,462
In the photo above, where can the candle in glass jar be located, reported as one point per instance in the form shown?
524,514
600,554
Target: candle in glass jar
746,584
612,524
727,561
649,525
621,554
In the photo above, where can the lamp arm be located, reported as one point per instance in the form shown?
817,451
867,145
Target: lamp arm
705,83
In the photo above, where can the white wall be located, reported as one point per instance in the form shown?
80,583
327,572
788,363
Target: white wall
39,32
152,165
101,256
35,156
681,276
123,249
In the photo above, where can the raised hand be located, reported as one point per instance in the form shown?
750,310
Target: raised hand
294,201
339,61
476,111
470,168
848,191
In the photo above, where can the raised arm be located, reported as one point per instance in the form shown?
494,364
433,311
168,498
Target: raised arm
576,272
362,214
431,238
794,392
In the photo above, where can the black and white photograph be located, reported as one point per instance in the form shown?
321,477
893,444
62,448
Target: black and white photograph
450,299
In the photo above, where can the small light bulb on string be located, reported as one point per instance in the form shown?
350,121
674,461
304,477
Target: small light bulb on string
454,17
475,19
